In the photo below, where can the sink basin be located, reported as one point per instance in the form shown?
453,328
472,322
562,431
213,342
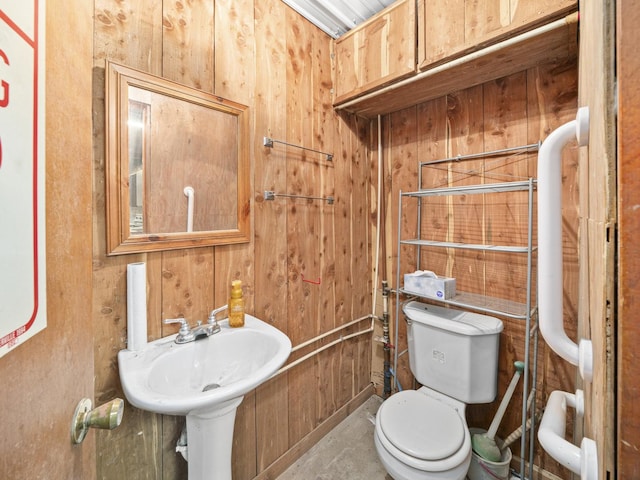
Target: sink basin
194,377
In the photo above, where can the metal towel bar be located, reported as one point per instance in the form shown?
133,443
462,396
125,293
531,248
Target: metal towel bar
268,142
269,195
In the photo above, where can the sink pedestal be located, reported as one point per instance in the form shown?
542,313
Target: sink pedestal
209,441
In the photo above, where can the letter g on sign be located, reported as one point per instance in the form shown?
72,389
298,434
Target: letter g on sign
4,95
4,92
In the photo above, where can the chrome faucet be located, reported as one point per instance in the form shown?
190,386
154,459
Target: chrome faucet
187,334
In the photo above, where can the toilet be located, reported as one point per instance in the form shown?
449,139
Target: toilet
423,434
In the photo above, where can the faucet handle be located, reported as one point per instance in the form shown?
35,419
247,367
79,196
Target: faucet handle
184,326
212,315
185,334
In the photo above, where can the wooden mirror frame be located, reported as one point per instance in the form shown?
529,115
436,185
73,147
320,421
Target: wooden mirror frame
120,240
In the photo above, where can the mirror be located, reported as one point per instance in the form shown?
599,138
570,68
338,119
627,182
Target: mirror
177,165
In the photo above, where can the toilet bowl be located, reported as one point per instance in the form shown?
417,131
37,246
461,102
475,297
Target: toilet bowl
423,435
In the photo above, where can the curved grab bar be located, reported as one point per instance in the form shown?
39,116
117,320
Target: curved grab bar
582,461
190,193
550,288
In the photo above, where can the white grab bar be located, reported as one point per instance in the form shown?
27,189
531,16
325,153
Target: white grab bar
190,194
550,288
582,461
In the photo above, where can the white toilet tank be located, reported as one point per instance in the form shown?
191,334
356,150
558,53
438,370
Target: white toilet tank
454,352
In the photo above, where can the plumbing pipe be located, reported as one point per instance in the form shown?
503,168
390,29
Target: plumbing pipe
376,257
190,194
582,461
321,349
387,341
550,288
330,332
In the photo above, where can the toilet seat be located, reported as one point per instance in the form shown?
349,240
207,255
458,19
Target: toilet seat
422,427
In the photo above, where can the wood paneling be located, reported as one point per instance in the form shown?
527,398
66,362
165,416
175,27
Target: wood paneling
379,51
597,88
271,283
556,42
45,377
193,27
263,55
516,110
628,64
451,28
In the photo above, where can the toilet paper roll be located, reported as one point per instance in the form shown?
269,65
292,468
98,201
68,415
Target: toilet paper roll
136,306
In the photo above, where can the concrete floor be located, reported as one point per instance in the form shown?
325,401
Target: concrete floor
346,453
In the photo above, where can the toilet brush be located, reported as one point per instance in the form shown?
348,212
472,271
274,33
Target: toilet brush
484,444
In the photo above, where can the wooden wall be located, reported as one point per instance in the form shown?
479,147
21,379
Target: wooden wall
520,109
628,329
261,54
44,378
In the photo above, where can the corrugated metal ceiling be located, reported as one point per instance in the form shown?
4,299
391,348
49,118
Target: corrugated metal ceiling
337,17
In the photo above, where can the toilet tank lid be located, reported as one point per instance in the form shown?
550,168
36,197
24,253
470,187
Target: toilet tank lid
458,321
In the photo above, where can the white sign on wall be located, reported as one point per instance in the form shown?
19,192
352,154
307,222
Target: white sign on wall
22,235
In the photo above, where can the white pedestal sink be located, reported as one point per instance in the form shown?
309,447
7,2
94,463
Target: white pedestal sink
205,381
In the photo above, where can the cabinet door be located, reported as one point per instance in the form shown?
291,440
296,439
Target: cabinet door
451,28
378,52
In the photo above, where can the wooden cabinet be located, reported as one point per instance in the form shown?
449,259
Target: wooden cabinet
452,28
408,39
378,52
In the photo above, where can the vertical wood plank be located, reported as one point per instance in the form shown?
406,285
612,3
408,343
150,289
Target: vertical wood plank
183,297
137,24
362,253
403,155
506,223
302,227
628,65
272,418
129,33
344,157
235,57
597,317
433,145
234,68
324,126
466,126
188,24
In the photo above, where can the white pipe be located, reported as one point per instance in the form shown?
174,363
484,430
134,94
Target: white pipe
550,282
322,349
326,334
376,257
190,194
582,461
